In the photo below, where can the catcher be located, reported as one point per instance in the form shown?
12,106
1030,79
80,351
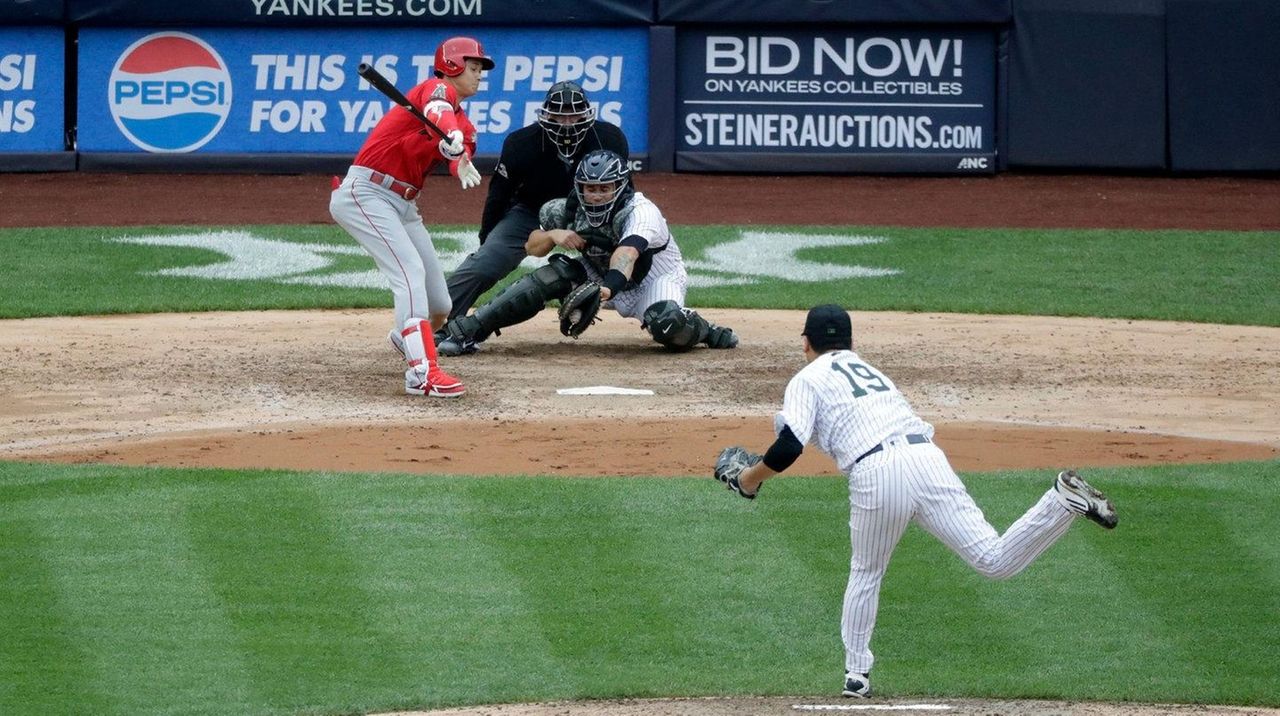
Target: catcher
627,257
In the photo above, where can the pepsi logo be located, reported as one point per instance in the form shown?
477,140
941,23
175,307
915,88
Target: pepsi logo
169,92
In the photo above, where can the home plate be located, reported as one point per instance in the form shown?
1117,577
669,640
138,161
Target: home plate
604,390
871,707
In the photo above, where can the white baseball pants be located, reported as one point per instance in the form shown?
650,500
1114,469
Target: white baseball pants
390,228
903,482
667,281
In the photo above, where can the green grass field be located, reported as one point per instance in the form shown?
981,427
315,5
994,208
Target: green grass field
149,591
1216,277
184,591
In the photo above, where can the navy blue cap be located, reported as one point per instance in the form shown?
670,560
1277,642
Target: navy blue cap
828,326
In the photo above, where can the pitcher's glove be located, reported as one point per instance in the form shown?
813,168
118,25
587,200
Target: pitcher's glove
729,467
578,310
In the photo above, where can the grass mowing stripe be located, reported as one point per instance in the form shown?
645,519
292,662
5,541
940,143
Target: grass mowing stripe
136,600
434,594
572,632
805,546
290,585
1188,558
445,591
44,667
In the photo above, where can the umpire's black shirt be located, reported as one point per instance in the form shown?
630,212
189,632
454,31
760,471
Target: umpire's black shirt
530,171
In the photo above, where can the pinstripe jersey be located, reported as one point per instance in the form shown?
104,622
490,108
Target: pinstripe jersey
846,407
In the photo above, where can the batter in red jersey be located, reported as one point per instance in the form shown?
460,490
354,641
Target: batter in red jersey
375,203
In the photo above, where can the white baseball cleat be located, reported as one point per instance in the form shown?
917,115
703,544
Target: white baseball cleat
435,384
1083,499
856,685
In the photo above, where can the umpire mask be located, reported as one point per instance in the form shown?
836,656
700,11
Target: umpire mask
566,115
601,183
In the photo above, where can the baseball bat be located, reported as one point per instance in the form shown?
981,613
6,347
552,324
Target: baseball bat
376,79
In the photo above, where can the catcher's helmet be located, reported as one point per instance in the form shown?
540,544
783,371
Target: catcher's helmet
453,53
566,115
602,167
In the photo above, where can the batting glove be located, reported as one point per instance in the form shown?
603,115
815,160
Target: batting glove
467,173
451,147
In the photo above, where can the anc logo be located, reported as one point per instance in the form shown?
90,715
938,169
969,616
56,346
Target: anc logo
169,92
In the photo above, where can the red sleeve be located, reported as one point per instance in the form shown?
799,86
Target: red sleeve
439,101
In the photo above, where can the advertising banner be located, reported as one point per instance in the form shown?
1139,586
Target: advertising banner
857,99
429,14
233,91
31,89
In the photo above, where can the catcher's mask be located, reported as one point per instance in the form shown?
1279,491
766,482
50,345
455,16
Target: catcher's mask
566,115
453,53
601,182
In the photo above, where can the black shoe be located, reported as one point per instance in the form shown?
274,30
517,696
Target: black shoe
856,685
721,337
453,347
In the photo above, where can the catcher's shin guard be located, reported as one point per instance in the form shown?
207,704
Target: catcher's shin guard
521,300
676,328
680,329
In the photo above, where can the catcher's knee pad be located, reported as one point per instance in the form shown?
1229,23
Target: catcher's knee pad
523,299
676,328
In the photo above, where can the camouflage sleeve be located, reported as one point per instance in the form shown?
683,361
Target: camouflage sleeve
552,215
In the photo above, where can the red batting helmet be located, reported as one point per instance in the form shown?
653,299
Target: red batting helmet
453,53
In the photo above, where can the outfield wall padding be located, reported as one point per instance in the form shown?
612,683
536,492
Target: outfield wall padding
1224,85
1086,84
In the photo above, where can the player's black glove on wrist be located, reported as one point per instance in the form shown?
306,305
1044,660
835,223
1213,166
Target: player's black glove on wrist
732,484
730,465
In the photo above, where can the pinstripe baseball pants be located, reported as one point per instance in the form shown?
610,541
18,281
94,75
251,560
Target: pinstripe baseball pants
904,482
667,281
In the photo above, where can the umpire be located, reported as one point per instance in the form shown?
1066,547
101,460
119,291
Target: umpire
536,166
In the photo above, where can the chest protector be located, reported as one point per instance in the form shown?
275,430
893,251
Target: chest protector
602,241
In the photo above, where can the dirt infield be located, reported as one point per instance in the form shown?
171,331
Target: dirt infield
321,390
227,390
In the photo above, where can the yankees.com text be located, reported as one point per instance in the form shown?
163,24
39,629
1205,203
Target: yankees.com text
367,8
708,129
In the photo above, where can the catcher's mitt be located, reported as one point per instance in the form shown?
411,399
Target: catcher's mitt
729,467
578,310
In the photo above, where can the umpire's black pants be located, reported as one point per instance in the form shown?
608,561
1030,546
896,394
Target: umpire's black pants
499,255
